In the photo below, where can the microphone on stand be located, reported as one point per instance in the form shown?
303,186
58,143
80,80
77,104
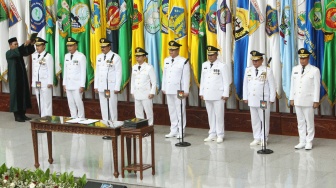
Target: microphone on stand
180,95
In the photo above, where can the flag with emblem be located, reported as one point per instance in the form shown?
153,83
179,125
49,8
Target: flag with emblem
177,25
137,27
50,27
113,23
202,43
314,37
257,27
63,31
224,33
165,37
152,36
241,22
125,39
80,30
329,68
17,26
98,29
37,16
4,37
193,38
287,33
301,21
211,22
273,42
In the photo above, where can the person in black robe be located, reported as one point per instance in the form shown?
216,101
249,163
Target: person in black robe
17,78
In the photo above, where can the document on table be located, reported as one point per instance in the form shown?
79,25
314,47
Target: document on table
76,120
88,121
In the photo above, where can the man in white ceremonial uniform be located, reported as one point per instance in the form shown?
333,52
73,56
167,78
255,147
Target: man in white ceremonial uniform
176,76
42,77
305,96
214,90
143,86
107,80
259,79
74,78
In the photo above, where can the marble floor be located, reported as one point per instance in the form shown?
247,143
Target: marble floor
232,163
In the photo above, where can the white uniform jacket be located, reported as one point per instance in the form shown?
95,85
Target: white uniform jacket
108,71
42,69
143,82
175,73
214,81
254,85
74,71
305,88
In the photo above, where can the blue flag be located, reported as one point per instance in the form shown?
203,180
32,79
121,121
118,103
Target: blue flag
241,22
314,36
37,15
152,36
287,51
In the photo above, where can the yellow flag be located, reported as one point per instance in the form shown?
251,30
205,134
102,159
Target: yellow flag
211,25
177,24
193,30
137,27
165,38
98,29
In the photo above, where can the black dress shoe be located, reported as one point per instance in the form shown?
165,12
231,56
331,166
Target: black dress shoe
19,119
27,118
107,138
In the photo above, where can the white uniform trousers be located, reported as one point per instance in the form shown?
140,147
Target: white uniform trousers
257,121
140,106
46,101
174,108
113,102
75,103
305,118
215,109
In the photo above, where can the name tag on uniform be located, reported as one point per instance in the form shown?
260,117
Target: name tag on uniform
99,60
167,63
296,73
107,93
249,75
67,60
38,84
205,67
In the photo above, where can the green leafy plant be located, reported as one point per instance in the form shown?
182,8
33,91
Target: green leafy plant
22,178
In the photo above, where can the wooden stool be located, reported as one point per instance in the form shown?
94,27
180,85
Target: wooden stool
136,133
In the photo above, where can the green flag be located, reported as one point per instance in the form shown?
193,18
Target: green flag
80,30
202,38
50,35
63,22
329,69
125,40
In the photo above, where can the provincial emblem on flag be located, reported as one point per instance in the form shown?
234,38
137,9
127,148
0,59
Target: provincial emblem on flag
315,16
3,11
285,23
195,18
271,21
301,22
164,18
211,18
123,15
63,20
113,16
80,14
224,16
241,23
137,17
37,16
331,16
95,16
177,22
14,16
256,17
152,15
50,19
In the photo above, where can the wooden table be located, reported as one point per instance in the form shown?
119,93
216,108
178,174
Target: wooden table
129,134
57,124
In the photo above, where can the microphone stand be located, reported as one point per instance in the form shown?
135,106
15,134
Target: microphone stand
182,143
39,90
264,149
109,121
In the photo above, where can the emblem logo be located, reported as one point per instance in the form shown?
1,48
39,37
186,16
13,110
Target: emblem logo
211,18
271,21
152,17
50,16
195,18
113,16
224,16
315,16
302,51
285,23
171,43
3,11
63,20
331,16
301,22
256,17
69,39
177,22
164,17
80,14
37,17
95,16
241,23
209,48
254,53
123,12
136,17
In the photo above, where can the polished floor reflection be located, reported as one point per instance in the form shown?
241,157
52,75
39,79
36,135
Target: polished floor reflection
232,163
